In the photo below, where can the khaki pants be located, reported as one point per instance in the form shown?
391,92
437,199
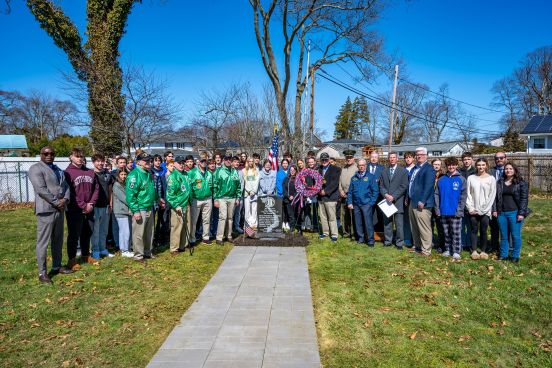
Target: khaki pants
328,221
226,214
420,224
204,207
142,235
179,229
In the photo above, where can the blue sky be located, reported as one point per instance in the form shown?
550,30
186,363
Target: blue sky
209,44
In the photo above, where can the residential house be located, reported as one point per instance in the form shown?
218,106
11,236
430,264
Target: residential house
539,134
13,145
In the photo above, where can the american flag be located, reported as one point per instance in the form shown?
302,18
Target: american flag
273,153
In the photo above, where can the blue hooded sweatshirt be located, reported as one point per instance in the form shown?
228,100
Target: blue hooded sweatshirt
450,195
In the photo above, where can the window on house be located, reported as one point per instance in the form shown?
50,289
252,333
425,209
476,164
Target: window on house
181,145
539,143
168,145
437,153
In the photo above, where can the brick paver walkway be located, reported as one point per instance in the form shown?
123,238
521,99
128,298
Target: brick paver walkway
255,312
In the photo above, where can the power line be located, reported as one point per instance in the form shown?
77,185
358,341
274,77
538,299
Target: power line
376,93
389,74
375,99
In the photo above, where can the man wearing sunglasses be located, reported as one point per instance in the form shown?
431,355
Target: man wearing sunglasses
497,171
51,196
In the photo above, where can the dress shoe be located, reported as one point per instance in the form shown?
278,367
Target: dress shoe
73,264
514,260
44,279
220,242
62,270
206,241
230,240
175,253
371,245
151,256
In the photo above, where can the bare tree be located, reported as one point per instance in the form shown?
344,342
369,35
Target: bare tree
436,115
216,110
150,112
38,115
340,29
410,97
527,91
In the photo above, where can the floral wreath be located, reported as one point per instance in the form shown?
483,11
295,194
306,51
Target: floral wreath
304,190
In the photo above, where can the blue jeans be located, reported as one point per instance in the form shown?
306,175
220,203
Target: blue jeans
99,234
510,226
364,223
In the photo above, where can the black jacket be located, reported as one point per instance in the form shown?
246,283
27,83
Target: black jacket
330,184
521,196
289,188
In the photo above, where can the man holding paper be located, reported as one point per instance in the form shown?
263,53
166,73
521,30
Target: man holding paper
392,186
362,196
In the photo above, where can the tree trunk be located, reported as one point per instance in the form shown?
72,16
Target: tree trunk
106,105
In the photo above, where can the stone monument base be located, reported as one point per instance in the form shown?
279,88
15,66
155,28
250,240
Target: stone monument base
273,240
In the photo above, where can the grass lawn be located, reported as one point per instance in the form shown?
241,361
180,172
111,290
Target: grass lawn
116,314
379,307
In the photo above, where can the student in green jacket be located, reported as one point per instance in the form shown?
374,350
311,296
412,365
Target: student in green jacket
226,188
179,195
201,181
141,196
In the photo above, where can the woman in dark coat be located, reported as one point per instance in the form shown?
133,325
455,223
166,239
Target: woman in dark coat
289,195
512,196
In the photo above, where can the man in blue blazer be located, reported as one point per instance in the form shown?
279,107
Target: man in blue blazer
421,197
376,169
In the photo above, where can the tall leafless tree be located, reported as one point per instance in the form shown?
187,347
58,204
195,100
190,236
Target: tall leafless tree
340,31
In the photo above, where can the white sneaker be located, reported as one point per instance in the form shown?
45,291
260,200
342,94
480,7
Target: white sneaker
109,255
475,255
127,254
446,254
456,256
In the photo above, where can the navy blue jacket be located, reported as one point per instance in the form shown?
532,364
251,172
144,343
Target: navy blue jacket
363,190
422,187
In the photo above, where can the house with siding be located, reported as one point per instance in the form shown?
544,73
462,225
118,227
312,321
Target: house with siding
539,134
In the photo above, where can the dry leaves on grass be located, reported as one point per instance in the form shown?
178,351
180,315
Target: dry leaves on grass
546,346
464,338
413,335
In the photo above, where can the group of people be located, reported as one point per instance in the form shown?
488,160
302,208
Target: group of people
184,201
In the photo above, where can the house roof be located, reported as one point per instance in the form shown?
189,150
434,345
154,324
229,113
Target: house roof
13,142
538,124
350,142
436,146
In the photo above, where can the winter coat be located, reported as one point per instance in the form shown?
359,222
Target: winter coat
363,190
521,197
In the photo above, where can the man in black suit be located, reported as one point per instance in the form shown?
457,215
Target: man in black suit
393,185
328,196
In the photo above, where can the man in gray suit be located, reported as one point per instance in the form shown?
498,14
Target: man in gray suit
51,196
393,185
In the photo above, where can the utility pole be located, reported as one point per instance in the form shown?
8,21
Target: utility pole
392,115
311,127
303,153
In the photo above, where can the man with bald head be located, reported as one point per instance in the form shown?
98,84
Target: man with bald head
51,197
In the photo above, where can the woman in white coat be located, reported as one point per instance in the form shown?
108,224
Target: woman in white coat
251,187
481,196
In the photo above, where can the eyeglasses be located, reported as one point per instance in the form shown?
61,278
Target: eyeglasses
48,154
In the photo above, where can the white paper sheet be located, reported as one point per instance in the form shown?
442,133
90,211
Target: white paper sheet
387,208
